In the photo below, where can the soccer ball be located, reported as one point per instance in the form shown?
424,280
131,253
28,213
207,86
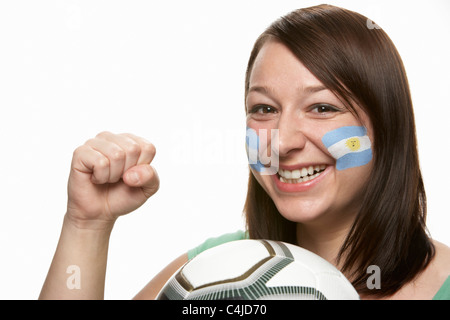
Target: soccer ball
257,270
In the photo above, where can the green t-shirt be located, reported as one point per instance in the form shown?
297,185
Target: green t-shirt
213,242
442,294
444,291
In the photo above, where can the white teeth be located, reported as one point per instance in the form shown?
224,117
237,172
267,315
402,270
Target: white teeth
300,175
287,174
304,172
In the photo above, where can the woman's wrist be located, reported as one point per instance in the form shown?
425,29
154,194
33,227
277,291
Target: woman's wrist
86,225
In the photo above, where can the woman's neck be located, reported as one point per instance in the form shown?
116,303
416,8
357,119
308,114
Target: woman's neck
324,239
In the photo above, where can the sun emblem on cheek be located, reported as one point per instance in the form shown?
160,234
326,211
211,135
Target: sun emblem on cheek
353,144
350,146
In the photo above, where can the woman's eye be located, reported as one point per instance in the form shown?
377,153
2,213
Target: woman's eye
261,109
324,108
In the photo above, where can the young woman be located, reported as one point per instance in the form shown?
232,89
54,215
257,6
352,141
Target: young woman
314,75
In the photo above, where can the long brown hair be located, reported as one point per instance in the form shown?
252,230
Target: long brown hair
359,63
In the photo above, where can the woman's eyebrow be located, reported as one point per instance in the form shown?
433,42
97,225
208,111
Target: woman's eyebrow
307,90
260,89
314,89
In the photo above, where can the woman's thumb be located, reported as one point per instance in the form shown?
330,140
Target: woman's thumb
142,176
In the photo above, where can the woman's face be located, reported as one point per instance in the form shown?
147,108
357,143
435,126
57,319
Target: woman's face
284,95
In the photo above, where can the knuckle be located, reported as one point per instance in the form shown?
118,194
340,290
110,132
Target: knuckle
118,155
79,151
102,162
89,142
103,134
149,148
133,149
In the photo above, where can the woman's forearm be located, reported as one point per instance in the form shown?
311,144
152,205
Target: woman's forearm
78,268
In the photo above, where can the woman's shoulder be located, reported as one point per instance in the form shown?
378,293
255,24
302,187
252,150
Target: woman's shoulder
442,258
441,263
440,270
434,277
433,280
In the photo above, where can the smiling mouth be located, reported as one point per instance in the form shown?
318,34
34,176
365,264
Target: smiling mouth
300,175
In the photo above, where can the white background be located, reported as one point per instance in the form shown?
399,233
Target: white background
172,72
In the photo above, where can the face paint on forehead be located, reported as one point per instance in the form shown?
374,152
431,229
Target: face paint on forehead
350,146
257,155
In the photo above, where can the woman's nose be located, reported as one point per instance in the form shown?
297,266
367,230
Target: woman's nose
290,135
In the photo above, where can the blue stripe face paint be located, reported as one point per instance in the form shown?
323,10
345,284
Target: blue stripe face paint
252,146
350,146
256,153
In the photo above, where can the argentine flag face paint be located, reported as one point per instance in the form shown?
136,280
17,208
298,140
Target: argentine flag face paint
350,146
